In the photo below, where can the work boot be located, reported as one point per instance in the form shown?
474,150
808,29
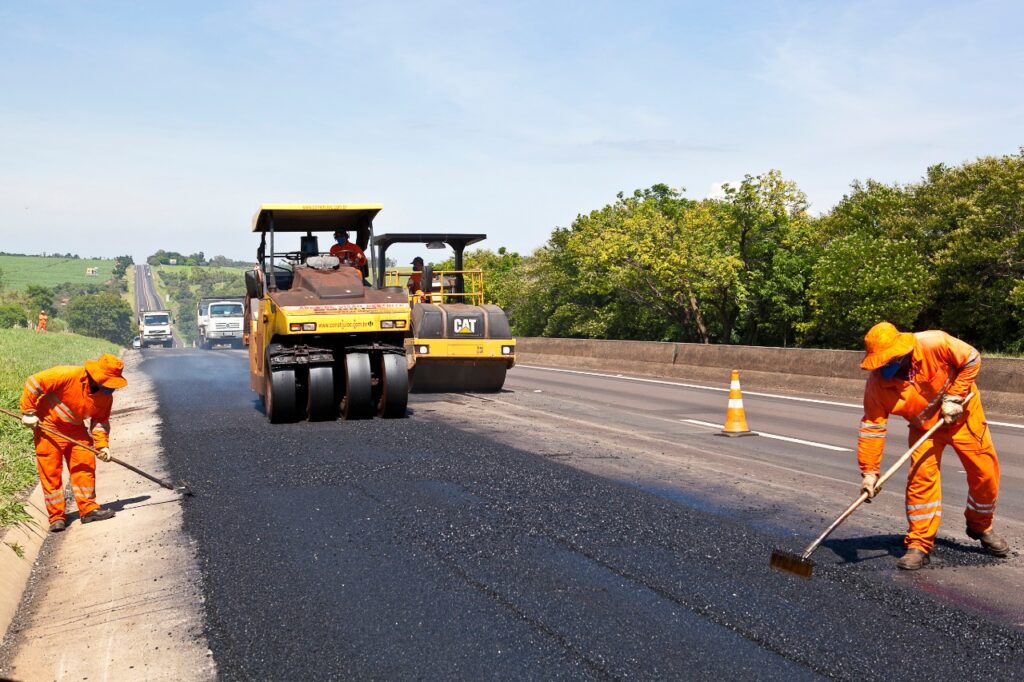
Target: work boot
98,515
990,542
58,525
913,560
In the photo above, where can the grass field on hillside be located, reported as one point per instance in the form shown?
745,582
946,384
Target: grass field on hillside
20,271
26,352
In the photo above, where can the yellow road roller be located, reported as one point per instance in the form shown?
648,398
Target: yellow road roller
456,342
322,339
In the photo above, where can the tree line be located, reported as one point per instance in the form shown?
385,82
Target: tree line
755,267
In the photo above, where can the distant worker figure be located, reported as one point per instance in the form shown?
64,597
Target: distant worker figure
415,282
62,399
347,252
41,323
925,377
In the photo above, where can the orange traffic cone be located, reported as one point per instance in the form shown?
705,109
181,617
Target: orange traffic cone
735,417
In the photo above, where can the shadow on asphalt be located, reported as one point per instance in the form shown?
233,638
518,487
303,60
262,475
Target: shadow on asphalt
872,547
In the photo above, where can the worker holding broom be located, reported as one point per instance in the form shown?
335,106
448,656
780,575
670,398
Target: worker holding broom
924,377
62,399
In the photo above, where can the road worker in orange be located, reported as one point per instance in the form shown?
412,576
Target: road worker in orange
415,282
347,252
62,399
41,322
925,377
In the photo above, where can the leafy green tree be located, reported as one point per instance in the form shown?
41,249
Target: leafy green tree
40,298
772,236
861,280
12,315
105,316
121,264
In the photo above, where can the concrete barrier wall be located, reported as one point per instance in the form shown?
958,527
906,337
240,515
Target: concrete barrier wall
834,374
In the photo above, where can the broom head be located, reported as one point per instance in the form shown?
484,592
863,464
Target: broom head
787,562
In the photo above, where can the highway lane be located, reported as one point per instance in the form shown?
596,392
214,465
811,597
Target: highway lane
472,540
671,407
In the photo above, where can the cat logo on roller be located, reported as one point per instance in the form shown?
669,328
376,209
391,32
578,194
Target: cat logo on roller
464,325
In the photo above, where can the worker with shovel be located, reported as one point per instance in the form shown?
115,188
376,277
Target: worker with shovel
60,400
924,377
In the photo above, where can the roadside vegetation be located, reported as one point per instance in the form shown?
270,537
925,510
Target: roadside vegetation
755,267
25,352
87,304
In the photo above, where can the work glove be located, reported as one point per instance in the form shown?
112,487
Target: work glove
952,408
867,484
104,454
30,420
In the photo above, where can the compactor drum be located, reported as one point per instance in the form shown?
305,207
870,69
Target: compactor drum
456,342
322,340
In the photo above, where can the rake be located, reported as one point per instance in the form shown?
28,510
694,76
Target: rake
801,564
181,488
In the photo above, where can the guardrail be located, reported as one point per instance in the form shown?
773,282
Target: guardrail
834,374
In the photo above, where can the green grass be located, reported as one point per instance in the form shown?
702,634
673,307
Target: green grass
25,352
47,271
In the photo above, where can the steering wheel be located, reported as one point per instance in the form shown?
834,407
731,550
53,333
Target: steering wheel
294,256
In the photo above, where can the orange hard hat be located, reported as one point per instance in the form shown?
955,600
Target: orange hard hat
107,371
884,343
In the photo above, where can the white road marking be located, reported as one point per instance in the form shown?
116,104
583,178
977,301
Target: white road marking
814,444
723,390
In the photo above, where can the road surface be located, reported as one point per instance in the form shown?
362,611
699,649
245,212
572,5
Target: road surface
571,527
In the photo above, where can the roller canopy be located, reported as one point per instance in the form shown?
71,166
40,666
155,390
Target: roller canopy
315,217
456,241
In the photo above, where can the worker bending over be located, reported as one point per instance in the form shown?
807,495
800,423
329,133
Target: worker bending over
925,377
347,252
62,399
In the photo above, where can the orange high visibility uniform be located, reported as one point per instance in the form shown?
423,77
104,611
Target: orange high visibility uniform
415,282
941,365
61,399
41,324
357,256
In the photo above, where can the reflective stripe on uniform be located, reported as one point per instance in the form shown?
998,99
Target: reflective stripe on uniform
33,387
973,360
872,427
911,507
101,426
62,410
920,517
979,508
872,435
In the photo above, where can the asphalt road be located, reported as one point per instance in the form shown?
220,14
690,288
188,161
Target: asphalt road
429,548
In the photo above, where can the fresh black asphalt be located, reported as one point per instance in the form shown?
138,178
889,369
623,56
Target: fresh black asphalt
409,549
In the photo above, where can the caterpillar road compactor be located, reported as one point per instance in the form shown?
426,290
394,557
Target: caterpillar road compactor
322,340
456,342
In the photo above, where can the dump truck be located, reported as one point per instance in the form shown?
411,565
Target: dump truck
322,339
219,321
456,342
155,328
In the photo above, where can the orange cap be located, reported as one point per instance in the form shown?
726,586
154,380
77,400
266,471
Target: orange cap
884,343
107,371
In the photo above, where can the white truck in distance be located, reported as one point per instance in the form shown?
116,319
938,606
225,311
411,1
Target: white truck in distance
155,328
220,321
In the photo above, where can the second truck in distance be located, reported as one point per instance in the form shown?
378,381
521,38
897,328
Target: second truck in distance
219,320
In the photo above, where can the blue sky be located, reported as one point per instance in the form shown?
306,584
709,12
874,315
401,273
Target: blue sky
126,127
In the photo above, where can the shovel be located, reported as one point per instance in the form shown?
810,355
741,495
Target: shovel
801,564
180,488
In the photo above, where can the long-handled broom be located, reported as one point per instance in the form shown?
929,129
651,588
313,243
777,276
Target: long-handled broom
801,564
181,488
